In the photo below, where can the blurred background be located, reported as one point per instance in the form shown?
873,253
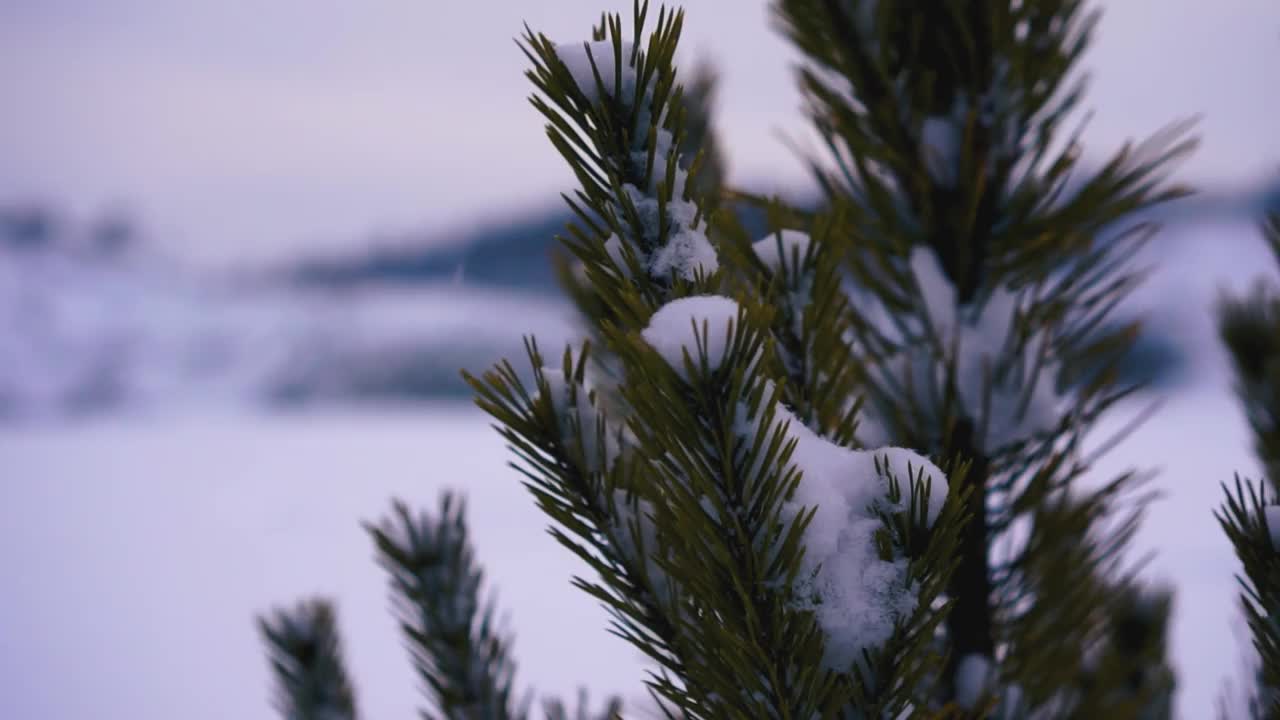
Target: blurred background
246,247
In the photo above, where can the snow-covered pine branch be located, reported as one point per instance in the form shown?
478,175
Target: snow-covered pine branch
982,274
759,473
617,115
794,276
698,464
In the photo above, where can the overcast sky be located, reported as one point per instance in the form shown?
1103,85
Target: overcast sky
237,130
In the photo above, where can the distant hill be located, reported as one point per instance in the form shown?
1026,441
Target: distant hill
91,321
516,254
91,325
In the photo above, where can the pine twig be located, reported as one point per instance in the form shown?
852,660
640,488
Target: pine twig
1248,517
305,653
452,639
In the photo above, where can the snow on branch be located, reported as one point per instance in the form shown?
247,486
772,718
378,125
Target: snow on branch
1006,383
626,152
677,330
857,594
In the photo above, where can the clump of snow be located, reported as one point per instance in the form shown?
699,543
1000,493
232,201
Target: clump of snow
662,141
940,140
578,59
1273,525
687,250
576,409
1017,409
686,254
975,676
646,204
677,327
996,112
1023,401
935,288
858,597
793,244
1013,704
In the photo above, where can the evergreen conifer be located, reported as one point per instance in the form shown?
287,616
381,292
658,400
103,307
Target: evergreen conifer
726,453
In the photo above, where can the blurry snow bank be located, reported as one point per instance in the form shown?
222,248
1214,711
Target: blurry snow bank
135,553
1197,439
78,336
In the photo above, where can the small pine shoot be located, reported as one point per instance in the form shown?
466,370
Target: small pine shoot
457,650
1250,515
305,653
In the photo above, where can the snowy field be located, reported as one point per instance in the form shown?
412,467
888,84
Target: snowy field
136,552
79,336
137,546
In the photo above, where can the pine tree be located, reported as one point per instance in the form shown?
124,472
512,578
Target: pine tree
993,263
726,452
1250,516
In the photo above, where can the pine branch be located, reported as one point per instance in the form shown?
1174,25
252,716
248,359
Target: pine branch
985,270
721,615
722,504
456,648
793,276
620,120
583,476
305,653
1249,326
1252,523
1130,674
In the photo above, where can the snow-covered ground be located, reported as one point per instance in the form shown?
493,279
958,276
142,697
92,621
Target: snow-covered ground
134,332
135,548
135,554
